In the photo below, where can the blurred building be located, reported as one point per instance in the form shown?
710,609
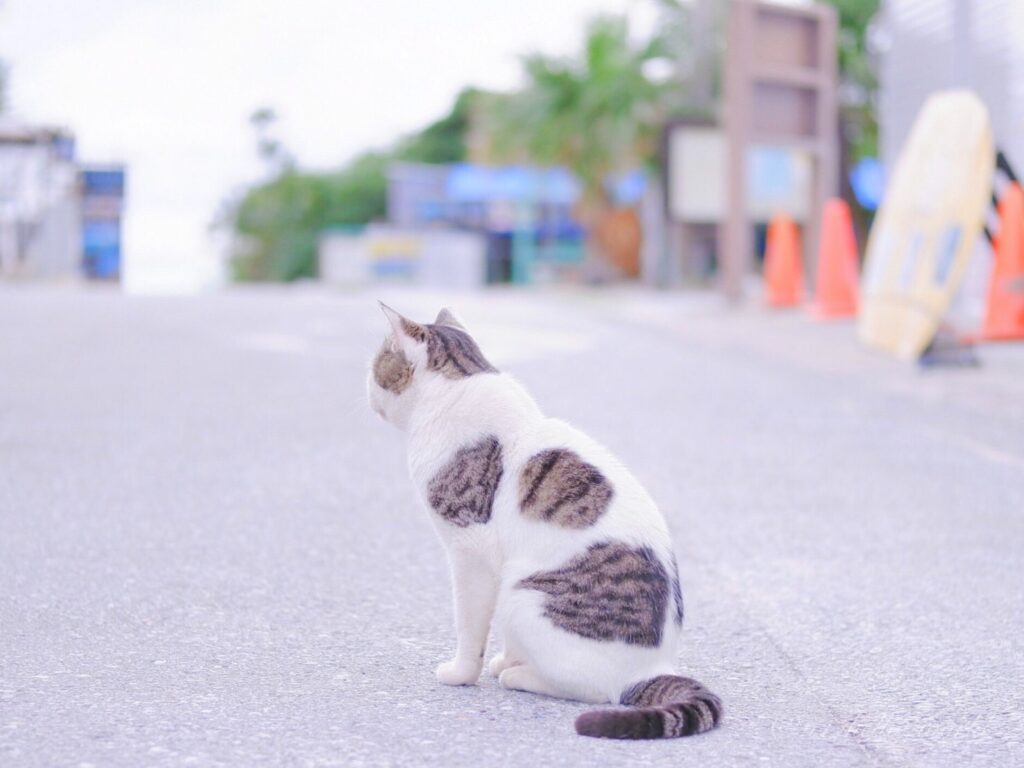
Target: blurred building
39,231
467,224
58,219
929,45
449,259
525,215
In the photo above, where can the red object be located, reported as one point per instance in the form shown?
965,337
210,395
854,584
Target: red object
1004,317
836,287
783,264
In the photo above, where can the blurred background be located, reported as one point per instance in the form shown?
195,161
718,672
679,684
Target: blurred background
180,146
177,147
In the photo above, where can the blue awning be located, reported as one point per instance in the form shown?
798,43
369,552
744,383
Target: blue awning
469,183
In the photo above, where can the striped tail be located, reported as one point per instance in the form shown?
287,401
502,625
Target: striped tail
667,706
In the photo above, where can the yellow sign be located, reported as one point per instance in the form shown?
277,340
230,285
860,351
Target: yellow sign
927,226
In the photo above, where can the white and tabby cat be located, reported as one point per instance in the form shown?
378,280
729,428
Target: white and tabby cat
546,532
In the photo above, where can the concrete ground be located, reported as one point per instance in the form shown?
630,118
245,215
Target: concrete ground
210,553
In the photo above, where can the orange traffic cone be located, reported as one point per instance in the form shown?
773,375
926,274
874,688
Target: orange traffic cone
1004,317
783,266
835,293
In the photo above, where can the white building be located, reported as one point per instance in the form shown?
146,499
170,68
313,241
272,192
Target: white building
929,45
40,232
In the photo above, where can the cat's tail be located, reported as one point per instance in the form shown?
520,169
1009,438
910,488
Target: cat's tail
666,706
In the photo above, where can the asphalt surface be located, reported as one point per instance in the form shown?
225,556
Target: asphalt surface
210,553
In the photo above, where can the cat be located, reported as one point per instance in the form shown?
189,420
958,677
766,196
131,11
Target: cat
546,533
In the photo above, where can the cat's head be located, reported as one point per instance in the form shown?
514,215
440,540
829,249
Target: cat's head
418,360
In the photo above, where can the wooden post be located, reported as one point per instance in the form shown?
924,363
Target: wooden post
780,89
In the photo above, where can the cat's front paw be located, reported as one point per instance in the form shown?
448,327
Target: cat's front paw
456,672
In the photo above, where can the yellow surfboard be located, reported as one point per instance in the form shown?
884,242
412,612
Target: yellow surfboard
927,225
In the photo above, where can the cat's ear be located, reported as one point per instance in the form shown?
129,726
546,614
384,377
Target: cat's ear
405,333
447,317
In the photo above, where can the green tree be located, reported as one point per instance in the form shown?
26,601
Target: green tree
276,225
858,121
277,222
270,148
443,141
859,84
597,114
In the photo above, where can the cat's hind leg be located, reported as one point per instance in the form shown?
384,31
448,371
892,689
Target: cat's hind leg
501,662
556,663
523,677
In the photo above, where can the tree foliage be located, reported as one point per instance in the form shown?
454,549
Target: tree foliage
859,84
278,222
596,113
443,141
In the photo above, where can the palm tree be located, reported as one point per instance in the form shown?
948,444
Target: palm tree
598,114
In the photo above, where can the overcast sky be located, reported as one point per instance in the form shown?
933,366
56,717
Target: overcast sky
166,86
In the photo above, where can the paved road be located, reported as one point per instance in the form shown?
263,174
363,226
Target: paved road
210,553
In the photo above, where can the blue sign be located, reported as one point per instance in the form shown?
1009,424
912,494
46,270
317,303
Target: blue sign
868,181
102,203
101,243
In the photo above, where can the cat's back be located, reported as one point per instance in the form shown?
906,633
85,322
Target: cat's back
563,487
548,487
481,409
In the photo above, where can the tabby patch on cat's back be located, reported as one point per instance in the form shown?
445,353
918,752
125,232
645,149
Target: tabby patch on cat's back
626,597
462,492
557,486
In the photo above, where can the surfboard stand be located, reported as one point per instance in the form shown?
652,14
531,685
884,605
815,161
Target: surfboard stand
948,350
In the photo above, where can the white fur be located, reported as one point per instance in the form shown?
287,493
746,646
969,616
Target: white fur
440,416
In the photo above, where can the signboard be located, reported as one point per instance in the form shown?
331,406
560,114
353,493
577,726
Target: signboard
780,90
778,179
696,174
102,190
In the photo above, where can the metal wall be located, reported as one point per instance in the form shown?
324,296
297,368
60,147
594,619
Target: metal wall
929,45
